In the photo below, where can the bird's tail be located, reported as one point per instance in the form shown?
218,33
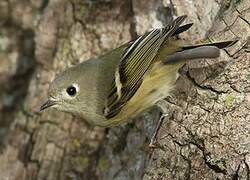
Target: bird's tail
220,45
204,50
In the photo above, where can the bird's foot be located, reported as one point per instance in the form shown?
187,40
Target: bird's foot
153,141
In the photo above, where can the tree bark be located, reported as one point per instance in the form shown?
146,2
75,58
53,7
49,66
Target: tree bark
206,134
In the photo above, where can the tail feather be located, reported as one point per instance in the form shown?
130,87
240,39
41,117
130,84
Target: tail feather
191,54
209,50
220,45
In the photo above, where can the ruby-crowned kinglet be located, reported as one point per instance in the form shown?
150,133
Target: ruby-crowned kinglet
119,85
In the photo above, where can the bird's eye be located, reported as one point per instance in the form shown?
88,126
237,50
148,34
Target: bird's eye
71,90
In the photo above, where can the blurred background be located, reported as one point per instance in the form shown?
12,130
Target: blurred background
17,63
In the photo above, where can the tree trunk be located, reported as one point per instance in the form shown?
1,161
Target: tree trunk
206,135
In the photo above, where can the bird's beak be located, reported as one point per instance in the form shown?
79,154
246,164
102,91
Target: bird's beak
47,104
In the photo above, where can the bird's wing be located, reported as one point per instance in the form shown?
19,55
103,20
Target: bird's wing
135,62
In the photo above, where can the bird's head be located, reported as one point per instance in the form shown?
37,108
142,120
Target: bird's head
65,91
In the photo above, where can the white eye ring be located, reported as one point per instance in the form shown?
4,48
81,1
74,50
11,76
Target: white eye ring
71,91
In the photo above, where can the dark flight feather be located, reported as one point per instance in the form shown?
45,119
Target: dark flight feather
135,62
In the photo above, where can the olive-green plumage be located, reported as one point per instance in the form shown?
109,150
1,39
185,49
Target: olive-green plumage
117,86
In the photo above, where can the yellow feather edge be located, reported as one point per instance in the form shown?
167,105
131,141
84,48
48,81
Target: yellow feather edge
157,84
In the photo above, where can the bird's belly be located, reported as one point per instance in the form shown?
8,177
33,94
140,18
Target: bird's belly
156,86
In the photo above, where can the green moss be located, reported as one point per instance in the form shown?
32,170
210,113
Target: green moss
76,143
103,164
227,3
229,101
82,10
81,163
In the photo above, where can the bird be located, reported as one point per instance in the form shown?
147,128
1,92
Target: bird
121,84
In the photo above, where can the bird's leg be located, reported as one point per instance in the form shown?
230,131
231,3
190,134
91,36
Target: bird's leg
164,113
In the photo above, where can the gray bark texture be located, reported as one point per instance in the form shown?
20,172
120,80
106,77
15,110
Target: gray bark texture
206,134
